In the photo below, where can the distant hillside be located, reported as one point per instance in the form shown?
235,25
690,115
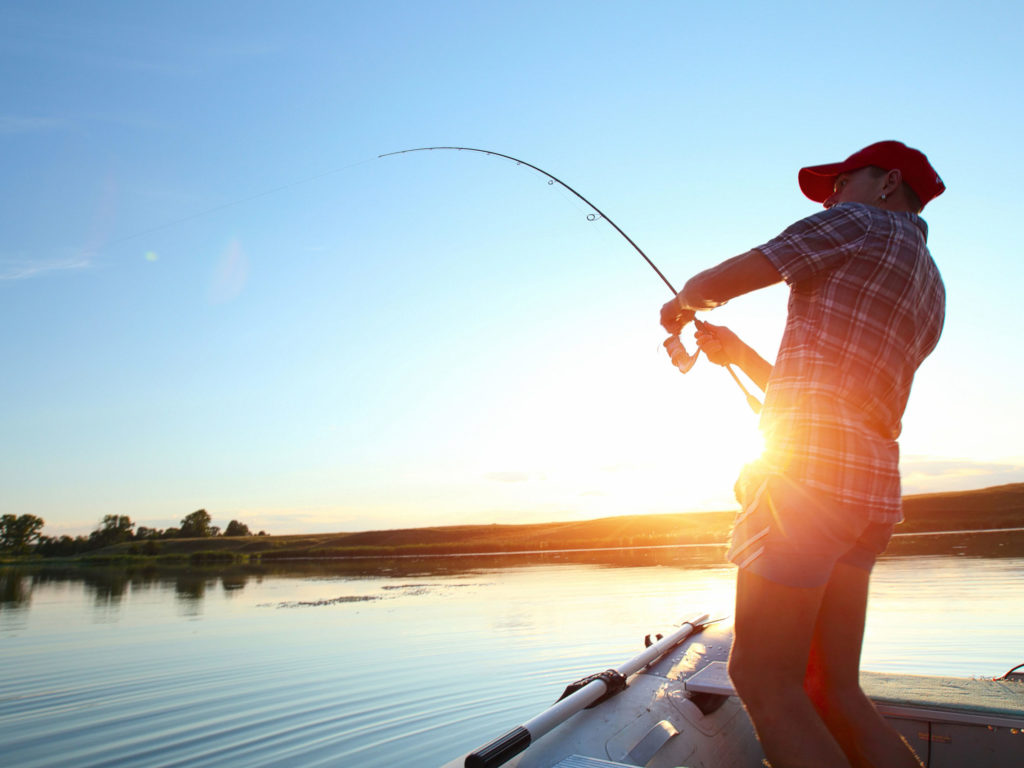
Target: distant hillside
999,507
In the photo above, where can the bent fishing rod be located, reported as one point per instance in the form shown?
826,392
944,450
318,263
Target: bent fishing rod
673,344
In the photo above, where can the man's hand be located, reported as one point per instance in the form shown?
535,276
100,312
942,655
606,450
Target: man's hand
674,317
722,346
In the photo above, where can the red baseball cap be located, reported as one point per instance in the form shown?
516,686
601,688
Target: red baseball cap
818,181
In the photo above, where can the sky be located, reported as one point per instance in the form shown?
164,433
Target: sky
216,295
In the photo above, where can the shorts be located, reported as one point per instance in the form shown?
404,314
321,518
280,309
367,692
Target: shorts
794,536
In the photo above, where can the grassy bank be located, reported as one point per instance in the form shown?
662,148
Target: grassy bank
998,507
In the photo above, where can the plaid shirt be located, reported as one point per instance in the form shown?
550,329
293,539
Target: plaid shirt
866,307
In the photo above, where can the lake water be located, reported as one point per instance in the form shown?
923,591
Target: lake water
397,663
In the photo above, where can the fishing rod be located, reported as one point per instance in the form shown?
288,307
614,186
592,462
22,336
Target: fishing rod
682,359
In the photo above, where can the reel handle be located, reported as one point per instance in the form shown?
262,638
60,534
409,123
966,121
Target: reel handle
681,359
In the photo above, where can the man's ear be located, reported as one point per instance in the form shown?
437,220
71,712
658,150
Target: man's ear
893,181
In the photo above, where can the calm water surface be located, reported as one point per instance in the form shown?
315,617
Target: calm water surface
396,663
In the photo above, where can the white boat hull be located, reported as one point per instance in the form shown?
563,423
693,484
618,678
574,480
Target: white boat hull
681,712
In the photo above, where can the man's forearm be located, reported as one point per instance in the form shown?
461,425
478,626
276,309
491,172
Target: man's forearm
733,277
755,366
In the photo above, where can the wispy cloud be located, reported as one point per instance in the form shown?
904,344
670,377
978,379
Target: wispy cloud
508,477
928,474
15,124
129,46
24,269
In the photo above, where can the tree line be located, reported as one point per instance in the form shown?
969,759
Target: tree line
23,534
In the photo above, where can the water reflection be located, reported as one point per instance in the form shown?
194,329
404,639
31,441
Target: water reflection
109,585
988,544
192,586
230,582
15,589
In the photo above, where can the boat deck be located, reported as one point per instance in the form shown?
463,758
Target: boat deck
997,703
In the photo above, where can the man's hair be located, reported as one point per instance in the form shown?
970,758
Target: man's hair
913,201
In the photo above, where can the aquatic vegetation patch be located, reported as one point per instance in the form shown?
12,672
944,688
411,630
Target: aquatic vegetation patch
396,590
415,590
322,602
421,587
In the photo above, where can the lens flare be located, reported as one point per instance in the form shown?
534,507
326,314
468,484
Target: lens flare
230,274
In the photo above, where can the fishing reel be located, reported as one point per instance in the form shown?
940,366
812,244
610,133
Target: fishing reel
681,359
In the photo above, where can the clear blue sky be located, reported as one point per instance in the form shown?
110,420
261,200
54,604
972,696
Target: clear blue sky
215,295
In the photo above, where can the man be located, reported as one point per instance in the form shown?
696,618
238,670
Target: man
866,307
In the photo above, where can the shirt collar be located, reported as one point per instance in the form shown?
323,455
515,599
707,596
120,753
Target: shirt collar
918,222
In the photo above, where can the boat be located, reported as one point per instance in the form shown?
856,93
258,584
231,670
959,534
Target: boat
673,706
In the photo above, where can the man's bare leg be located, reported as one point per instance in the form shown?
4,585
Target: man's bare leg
833,677
774,629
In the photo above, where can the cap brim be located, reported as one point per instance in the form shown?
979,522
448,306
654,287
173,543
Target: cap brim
818,181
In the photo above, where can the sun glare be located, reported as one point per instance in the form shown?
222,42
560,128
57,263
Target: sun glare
580,457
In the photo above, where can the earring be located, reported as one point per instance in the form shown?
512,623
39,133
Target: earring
883,197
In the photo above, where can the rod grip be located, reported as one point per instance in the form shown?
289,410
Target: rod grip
499,751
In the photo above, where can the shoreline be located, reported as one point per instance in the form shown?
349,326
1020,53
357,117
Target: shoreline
971,542
972,514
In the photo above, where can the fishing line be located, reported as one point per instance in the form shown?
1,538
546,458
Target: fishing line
680,357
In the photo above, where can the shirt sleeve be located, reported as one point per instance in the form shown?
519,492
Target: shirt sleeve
819,243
